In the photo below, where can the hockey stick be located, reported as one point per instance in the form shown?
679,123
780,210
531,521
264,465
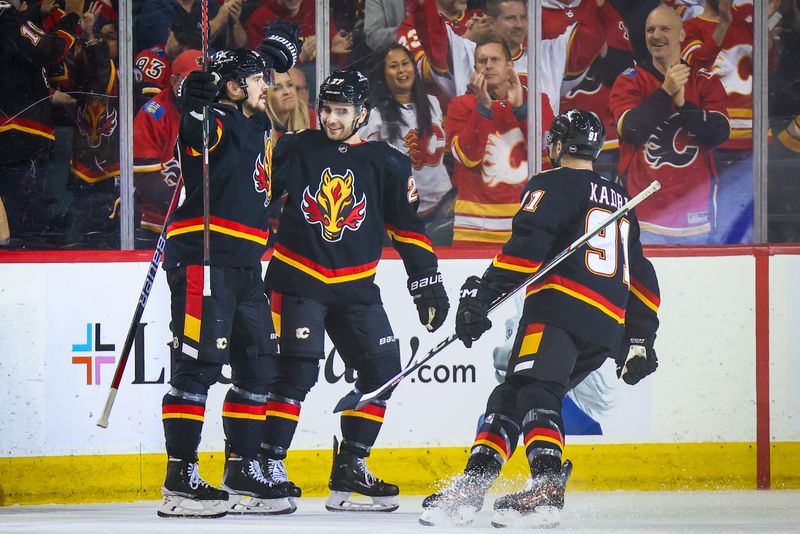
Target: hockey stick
206,180
102,422
355,399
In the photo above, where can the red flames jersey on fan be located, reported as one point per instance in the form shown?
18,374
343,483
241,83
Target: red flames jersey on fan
408,37
491,168
155,166
151,71
732,62
671,155
592,294
240,162
595,26
341,202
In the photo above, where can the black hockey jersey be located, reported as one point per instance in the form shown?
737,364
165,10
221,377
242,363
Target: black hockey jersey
342,200
588,293
240,190
26,50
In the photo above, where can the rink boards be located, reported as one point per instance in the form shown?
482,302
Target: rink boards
718,413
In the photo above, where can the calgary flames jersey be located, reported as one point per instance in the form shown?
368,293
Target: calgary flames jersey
240,189
425,152
151,71
601,288
670,152
491,167
341,201
732,62
155,166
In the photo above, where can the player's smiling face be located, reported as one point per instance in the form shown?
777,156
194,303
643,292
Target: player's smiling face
399,71
337,119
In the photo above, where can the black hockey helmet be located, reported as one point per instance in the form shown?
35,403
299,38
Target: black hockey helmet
581,132
347,86
237,65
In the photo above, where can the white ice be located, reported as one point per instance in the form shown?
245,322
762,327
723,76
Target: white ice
685,512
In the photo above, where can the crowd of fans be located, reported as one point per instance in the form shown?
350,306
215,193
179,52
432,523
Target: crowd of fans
673,86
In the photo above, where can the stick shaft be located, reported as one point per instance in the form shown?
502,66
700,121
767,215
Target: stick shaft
348,402
102,421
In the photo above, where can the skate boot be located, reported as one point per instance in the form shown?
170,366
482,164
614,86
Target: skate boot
251,492
188,495
539,505
350,475
458,503
275,472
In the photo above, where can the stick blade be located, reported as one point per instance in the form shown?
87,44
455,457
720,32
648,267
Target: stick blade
348,402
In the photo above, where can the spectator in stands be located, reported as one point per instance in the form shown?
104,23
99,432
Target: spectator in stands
720,39
26,123
381,19
287,112
155,164
670,116
486,133
152,70
225,26
95,144
407,117
303,93
302,13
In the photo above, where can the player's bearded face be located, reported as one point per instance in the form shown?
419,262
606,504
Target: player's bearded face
338,120
256,101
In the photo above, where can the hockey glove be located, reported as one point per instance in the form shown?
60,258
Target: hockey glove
197,90
429,296
473,308
636,360
281,45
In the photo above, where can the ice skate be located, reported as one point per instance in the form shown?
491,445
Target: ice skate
349,476
539,505
275,472
188,495
457,504
251,492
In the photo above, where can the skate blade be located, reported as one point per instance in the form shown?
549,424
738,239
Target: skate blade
542,517
459,517
247,505
177,506
340,501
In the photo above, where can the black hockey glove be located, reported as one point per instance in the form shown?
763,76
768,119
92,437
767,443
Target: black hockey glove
197,90
636,359
281,45
429,296
473,308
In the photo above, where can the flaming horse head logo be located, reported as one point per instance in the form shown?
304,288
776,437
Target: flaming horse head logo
96,120
262,173
334,206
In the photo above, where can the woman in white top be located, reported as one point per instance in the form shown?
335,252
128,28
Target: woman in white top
411,120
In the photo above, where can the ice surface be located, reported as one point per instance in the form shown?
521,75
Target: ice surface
706,511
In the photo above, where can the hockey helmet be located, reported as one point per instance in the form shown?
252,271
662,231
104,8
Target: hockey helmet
581,133
237,65
347,86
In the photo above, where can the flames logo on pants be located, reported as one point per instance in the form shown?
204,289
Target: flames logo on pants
334,206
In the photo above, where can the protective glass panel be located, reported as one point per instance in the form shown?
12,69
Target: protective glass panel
783,191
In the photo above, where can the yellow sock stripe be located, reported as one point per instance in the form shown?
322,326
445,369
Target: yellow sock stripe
183,416
239,415
492,446
544,438
356,413
292,417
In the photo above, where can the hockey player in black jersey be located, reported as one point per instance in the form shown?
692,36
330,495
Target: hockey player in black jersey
233,324
343,196
599,302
